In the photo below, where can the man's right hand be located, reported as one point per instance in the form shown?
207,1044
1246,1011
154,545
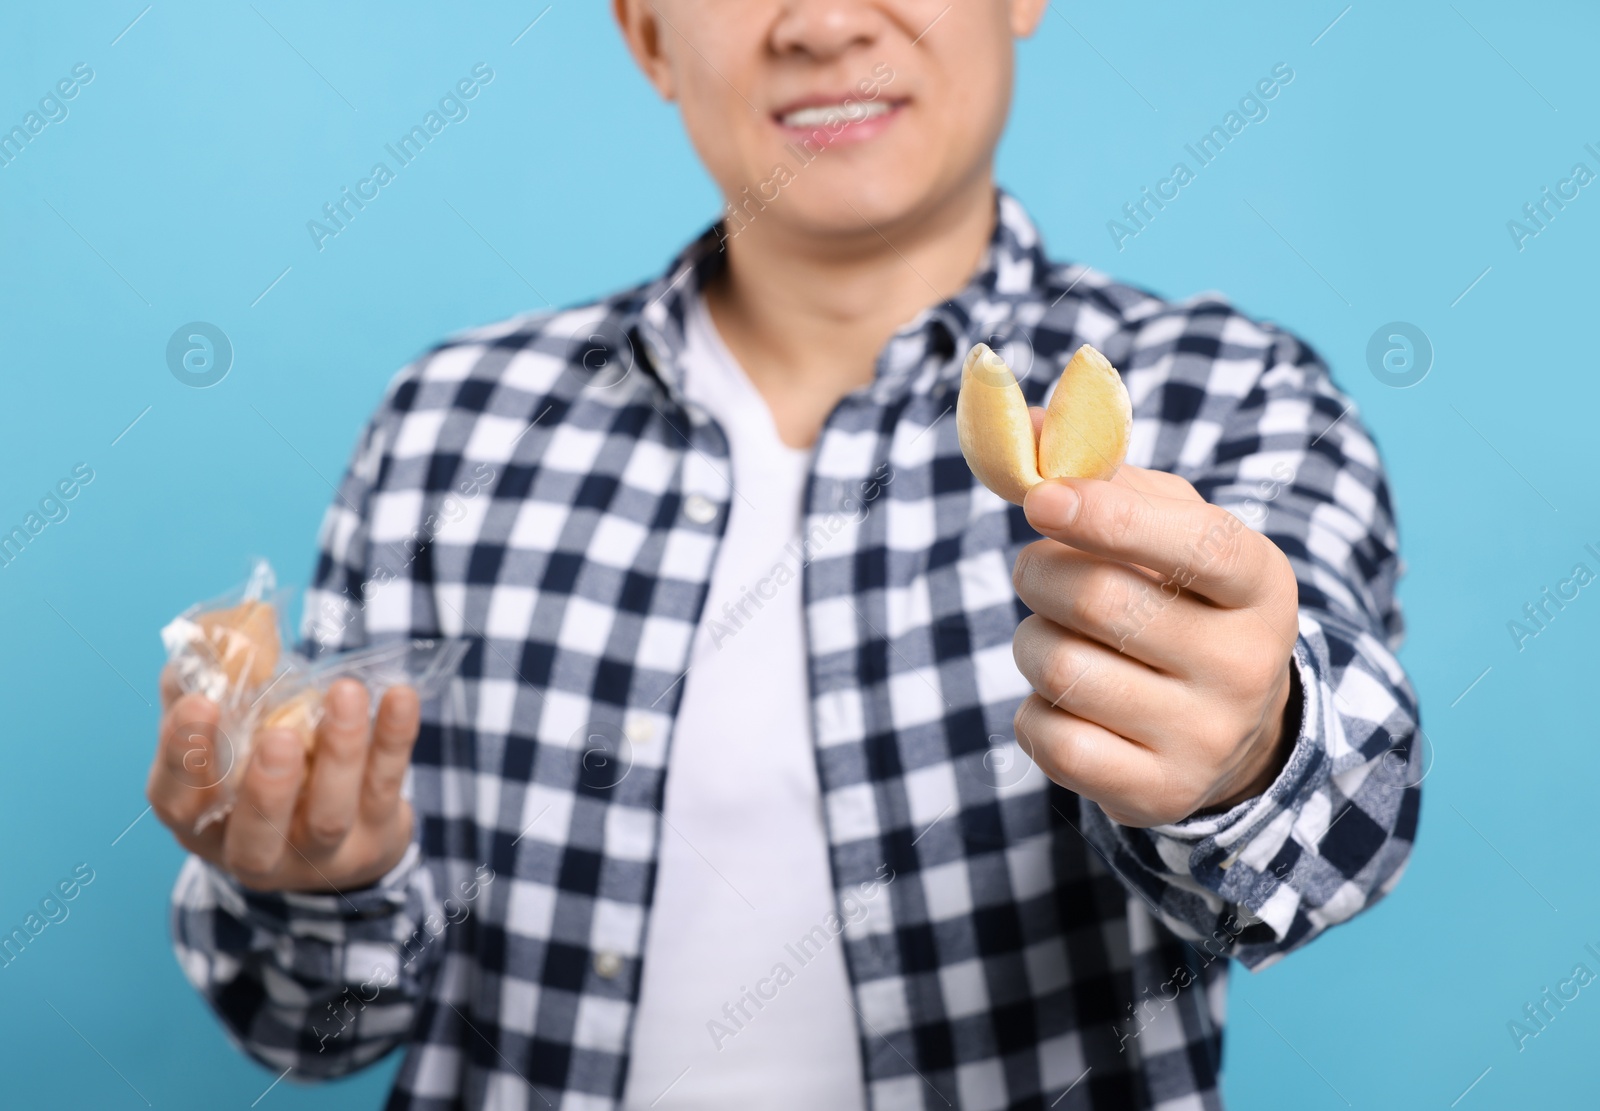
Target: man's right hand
336,824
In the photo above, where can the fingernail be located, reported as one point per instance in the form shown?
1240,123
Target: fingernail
277,751
343,705
1052,506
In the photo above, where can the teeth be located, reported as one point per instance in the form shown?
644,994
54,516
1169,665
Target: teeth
851,111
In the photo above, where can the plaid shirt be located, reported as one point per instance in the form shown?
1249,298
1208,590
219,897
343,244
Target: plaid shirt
543,488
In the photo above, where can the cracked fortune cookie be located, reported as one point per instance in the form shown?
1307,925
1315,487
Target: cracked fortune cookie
1084,435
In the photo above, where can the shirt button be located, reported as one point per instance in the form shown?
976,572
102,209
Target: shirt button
639,732
607,964
699,509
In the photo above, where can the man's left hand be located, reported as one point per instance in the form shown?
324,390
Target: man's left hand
1160,647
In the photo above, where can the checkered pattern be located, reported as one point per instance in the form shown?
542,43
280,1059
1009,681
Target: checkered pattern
543,488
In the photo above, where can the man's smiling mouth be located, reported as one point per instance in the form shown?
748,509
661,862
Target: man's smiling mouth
849,110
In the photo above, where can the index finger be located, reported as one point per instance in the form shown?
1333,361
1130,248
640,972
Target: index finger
171,688
1143,480
185,773
1198,546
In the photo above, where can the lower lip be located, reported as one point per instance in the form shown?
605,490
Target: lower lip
853,131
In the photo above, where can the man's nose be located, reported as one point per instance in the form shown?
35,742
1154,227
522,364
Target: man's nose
826,29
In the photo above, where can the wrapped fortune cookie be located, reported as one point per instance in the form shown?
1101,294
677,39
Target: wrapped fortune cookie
301,712
244,641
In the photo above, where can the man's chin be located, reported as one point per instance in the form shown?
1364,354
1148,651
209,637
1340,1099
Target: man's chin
853,208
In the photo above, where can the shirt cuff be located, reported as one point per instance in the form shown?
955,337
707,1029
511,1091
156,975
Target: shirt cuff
280,910
1229,826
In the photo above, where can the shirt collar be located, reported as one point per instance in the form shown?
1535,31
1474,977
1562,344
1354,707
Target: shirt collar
1001,303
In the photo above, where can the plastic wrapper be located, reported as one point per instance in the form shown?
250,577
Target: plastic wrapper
230,647
230,650
295,700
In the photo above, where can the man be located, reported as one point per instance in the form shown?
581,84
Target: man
790,767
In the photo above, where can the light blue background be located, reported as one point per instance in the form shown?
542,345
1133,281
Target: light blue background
179,187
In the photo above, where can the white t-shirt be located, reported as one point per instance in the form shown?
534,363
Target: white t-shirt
743,867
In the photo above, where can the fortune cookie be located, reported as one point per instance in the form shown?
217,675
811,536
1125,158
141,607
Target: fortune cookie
1086,425
244,641
301,712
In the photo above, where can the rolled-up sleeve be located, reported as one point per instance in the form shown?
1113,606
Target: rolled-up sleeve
1333,832
326,983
